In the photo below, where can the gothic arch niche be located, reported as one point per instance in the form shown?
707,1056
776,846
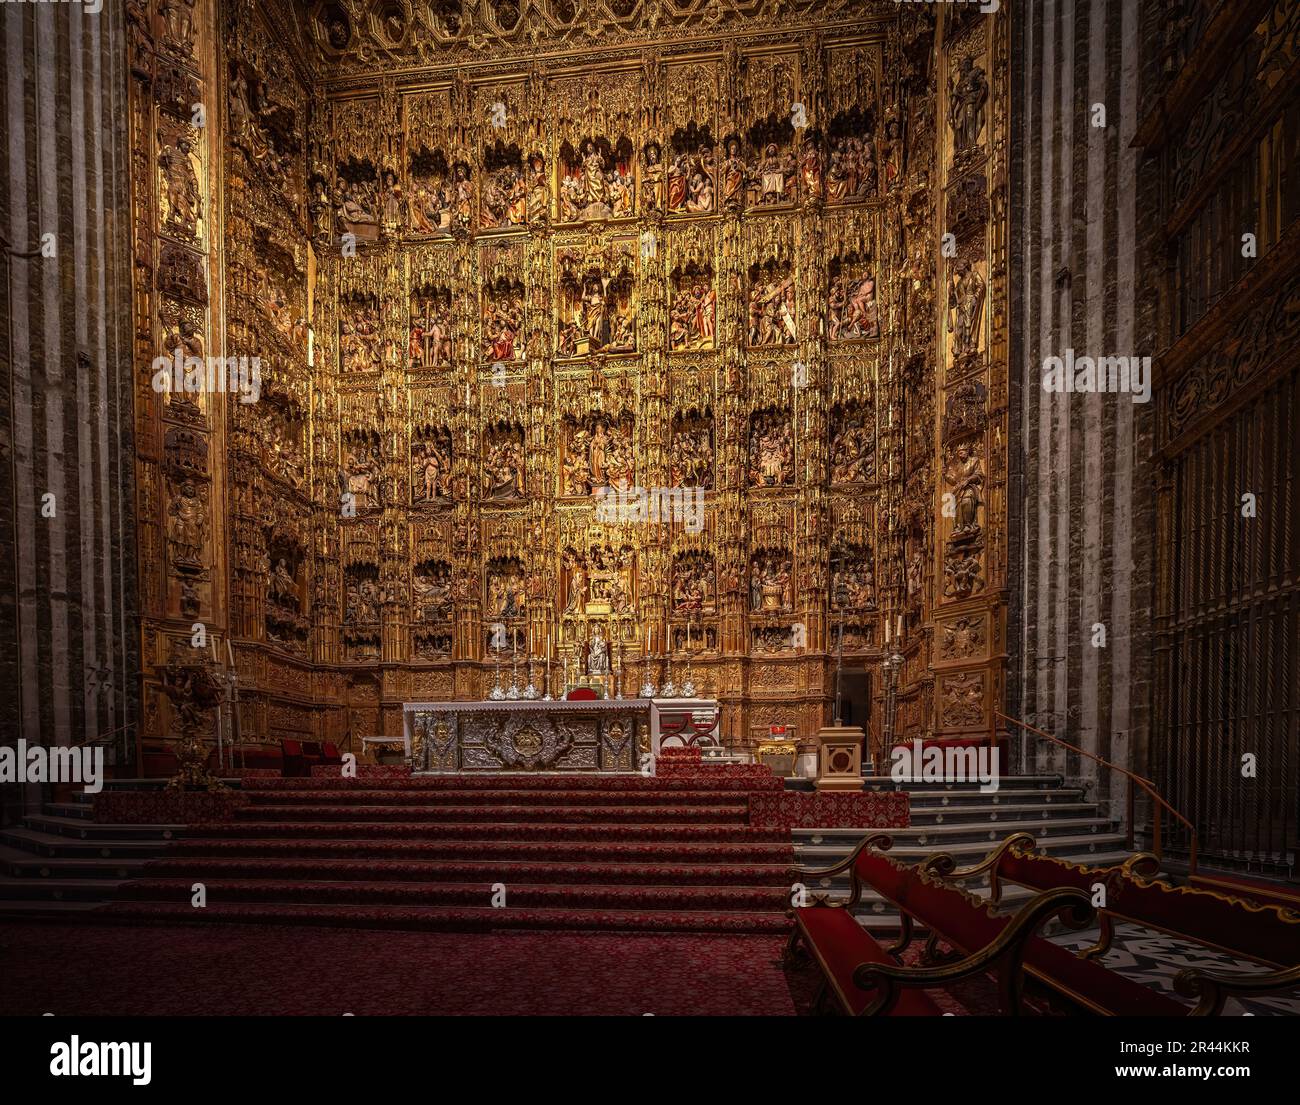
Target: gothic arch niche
691,449
596,300
284,566
852,444
770,302
361,472
503,462
771,448
431,328
598,453
432,457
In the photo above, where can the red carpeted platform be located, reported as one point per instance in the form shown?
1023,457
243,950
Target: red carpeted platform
254,970
677,852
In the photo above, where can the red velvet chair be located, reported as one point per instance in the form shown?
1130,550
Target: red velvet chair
581,694
294,763
330,753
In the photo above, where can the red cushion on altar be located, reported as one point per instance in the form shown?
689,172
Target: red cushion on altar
581,694
840,945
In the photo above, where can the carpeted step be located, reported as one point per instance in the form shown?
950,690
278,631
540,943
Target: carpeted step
736,813
533,783
201,869
526,895
526,851
523,799
466,919
428,830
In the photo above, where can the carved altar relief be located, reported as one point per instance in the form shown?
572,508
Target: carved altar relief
595,168
771,581
598,452
771,449
180,168
694,584
852,313
692,314
360,340
596,299
431,462
432,311
690,454
770,303
503,462
853,448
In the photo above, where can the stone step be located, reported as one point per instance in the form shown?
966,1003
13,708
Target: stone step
970,815
90,891
1085,847
962,799
56,846
79,828
1038,782
20,864
937,837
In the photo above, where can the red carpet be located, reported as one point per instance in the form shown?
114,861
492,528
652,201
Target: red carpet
672,853
256,971
252,970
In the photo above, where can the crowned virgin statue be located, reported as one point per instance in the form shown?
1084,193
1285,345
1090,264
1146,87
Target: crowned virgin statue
598,653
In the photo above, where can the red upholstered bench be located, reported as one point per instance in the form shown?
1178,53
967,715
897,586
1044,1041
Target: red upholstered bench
1265,934
867,979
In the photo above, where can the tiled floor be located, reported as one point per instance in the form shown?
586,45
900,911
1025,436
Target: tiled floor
1154,959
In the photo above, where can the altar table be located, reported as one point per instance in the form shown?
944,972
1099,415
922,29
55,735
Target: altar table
606,734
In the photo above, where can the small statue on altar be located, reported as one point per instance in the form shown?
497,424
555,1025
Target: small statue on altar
598,653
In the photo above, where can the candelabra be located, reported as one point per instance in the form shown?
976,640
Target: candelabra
496,694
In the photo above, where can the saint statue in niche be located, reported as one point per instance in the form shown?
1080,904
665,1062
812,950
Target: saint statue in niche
598,652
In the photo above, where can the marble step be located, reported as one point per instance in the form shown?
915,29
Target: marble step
58,846
78,828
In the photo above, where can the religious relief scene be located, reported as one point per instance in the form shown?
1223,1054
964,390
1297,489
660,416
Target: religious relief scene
596,304
595,180
770,302
599,453
432,315
624,508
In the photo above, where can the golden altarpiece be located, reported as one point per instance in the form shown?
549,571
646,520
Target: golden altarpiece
508,264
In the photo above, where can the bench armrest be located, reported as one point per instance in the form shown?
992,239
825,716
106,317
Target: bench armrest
880,841
941,865
1213,988
1005,953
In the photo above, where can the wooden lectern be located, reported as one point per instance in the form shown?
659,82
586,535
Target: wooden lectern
839,758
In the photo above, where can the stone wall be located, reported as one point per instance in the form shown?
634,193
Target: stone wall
67,570
1082,497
